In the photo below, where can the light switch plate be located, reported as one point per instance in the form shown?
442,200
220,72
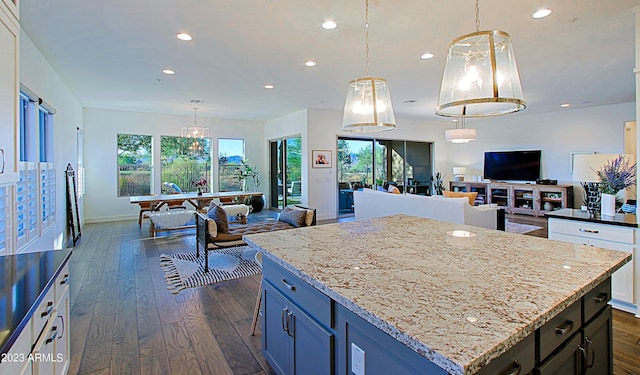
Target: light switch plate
357,360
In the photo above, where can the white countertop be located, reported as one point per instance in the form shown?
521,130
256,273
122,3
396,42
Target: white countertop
458,302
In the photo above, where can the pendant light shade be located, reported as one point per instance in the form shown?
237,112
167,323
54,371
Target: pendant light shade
460,134
195,136
367,106
480,76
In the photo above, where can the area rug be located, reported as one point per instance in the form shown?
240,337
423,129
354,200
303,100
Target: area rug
520,228
187,271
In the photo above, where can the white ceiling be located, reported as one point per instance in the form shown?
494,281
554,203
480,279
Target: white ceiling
111,53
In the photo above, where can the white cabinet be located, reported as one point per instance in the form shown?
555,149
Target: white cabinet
9,90
607,236
43,346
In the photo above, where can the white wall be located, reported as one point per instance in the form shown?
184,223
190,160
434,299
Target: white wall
38,76
557,134
100,137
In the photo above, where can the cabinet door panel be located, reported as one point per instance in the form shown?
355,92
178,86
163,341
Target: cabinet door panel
276,345
313,345
622,279
598,344
566,361
9,99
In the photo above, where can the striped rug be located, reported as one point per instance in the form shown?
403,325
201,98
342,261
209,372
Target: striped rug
187,271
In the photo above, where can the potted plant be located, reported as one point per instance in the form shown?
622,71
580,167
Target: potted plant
242,174
615,175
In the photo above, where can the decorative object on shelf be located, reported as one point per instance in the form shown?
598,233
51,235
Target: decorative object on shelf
321,158
195,135
438,183
548,206
458,173
368,106
201,185
584,170
480,76
615,175
460,134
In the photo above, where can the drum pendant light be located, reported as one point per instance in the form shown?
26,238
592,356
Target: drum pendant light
480,76
368,105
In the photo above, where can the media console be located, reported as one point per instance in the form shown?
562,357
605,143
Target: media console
519,198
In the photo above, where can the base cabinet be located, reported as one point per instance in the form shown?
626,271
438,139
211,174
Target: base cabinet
609,237
305,332
293,341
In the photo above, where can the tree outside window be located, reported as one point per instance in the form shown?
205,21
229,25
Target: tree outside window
134,165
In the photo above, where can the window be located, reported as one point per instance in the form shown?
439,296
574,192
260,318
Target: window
230,156
184,161
24,105
45,122
134,165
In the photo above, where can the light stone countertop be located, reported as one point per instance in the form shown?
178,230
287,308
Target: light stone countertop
459,302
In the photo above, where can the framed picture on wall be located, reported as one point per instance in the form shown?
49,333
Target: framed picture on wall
321,159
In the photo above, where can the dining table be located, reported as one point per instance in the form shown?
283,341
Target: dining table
200,201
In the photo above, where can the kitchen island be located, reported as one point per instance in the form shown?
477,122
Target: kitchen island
452,297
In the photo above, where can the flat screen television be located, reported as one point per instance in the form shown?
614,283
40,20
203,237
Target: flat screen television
512,165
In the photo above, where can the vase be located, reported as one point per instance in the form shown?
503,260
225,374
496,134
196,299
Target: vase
608,204
257,203
548,206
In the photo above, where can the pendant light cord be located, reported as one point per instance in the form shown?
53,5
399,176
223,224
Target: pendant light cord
366,32
477,16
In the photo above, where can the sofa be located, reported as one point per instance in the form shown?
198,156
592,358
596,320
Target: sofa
370,203
214,231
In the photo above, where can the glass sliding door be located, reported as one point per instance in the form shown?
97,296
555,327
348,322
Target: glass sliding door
285,179
370,163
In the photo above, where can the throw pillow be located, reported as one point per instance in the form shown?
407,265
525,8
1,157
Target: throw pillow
293,217
393,190
220,217
457,194
309,218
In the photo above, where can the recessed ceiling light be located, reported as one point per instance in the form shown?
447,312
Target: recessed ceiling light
310,63
168,71
541,13
329,25
427,56
269,86
565,105
410,101
184,36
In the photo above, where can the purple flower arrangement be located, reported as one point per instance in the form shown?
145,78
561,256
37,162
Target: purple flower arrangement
616,175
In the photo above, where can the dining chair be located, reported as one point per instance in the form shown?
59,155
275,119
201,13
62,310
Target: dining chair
256,310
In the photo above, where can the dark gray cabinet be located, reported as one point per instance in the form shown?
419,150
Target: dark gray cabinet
293,341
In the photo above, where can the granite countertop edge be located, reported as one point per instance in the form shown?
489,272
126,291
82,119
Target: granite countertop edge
422,348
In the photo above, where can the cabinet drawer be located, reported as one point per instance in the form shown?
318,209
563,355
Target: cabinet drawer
62,282
15,360
556,331
596,300
566,361
43,312
302,294
593,231
518,360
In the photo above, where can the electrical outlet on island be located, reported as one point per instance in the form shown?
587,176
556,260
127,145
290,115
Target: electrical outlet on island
357,360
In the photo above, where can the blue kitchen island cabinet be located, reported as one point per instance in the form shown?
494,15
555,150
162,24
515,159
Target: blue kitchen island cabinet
407,295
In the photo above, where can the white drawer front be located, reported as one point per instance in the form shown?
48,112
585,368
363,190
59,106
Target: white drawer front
584,229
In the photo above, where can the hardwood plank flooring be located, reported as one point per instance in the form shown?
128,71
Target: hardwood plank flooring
125,321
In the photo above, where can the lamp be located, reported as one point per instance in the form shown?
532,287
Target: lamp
460,134
480,76
367,106
458,173
195,136
584,170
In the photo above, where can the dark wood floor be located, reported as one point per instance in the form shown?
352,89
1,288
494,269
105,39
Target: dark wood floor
124,321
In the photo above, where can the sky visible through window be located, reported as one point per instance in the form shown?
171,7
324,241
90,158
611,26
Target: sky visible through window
231,147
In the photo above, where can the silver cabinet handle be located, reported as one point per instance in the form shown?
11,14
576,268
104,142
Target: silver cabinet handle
52,336
2,169
515,369
289,286
48,310
284,311
594,231
288,323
